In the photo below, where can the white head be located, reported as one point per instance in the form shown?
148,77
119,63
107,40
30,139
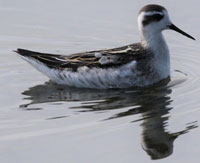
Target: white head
152,20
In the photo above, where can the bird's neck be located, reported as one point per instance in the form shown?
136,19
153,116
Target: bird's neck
154,40
156,43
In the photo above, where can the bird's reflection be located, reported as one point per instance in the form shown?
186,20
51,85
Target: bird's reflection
153,104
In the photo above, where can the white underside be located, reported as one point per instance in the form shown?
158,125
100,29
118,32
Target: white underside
122,77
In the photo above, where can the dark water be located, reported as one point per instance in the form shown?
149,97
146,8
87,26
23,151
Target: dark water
44,122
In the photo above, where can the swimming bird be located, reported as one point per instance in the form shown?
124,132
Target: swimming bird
136,65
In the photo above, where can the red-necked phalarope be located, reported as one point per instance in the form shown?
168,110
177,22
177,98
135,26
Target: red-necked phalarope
136,65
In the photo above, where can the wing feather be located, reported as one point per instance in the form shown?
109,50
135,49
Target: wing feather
102,58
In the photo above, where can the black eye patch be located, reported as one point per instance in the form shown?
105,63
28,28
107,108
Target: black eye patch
152,18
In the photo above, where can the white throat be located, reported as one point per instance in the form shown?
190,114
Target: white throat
156,42
153,39
151,34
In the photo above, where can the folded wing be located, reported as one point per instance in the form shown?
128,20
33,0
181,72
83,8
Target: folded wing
99,59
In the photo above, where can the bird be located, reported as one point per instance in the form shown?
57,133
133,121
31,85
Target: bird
139,64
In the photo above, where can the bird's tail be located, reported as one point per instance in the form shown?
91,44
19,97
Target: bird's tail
49,60
46,63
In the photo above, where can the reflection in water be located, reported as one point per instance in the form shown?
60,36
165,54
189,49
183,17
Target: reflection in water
156,141
153,104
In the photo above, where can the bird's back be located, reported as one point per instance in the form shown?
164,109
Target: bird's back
121,67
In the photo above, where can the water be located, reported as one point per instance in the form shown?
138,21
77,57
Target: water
43,122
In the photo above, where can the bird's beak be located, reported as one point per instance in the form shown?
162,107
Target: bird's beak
175,28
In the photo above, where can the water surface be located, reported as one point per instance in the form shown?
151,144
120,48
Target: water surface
44,122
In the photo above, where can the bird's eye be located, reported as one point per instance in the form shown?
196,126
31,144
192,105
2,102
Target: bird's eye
152,18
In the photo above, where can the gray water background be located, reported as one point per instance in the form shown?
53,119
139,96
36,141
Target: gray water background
43,122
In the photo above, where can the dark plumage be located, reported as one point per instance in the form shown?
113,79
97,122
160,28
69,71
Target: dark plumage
153,18
114,57
152,7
